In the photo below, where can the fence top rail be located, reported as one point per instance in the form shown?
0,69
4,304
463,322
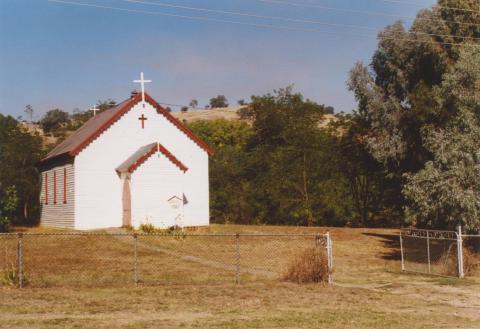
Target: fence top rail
470,235
324,235
424,229
431,234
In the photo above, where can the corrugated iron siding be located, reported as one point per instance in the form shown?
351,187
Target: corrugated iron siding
62,213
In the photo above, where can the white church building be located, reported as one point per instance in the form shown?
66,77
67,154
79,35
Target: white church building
131,164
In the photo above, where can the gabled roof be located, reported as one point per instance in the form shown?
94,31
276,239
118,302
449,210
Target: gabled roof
94,127
142,155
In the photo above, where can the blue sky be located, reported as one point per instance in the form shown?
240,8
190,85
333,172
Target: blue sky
55,55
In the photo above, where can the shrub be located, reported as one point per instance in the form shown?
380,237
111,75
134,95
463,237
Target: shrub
175,228
4,224
147,228
8,205
471,261
177,232
311,265
9,277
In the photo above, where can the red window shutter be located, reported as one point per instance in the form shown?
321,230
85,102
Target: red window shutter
64,185
54,187
46,188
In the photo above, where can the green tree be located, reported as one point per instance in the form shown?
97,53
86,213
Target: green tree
229,184
29,112
446,192
370,189
19,153
279,165
193,103
103,105
329,110
8,205
291,163
53,120
78,118
399,96
219,101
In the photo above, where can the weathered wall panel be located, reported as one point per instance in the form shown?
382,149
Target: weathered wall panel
59,213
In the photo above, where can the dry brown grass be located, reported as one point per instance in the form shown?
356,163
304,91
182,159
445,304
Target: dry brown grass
308,266
371,292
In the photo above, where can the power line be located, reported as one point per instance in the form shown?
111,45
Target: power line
441,7
201,18
358,11
285,19
402,2
267,26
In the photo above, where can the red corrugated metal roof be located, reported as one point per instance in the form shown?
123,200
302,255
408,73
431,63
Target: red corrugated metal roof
99,123
145,152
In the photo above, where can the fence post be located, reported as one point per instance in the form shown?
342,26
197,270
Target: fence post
329,258
401,251
135,259
460,252
20,259
237,258
428,251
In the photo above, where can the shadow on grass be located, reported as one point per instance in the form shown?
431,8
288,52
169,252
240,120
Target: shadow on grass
391,243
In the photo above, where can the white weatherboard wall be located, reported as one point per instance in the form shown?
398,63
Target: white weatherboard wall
59,214
152,185
98,188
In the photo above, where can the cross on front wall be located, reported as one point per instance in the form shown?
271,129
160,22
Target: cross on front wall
143,118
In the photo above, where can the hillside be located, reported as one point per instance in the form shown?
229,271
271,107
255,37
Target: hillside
230,113
227,113
35,129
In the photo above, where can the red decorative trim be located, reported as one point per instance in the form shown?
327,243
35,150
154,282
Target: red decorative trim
179,125
124,109
54,187
46,188
152,151
64,185
127,107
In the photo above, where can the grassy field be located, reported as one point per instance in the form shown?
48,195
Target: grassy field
371,291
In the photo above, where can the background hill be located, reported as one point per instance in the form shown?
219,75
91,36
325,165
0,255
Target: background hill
50,139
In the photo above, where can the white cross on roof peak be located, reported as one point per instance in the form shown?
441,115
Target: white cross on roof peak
94,109
142,83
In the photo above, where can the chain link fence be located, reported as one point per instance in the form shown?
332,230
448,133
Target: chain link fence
430,252
445,253
471,255
110,259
